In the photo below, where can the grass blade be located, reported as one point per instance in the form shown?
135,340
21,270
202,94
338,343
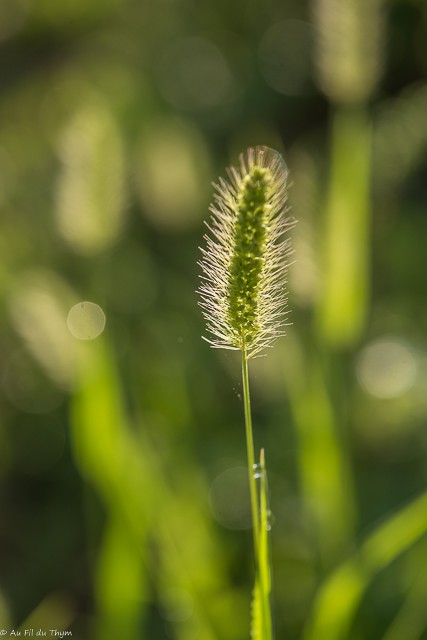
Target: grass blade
261,628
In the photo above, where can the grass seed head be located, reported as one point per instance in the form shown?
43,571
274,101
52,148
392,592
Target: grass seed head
244,261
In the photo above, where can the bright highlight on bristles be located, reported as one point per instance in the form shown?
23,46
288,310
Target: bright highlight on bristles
244,263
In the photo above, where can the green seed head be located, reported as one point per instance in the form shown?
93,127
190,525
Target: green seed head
244,262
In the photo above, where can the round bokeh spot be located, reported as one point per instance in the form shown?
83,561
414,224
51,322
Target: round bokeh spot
86,320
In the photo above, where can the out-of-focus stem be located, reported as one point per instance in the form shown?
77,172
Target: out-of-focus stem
344,299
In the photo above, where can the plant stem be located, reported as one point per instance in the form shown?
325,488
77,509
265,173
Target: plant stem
251,456
264,572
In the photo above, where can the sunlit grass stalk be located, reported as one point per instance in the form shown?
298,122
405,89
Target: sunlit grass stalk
261,626
250,450
243,300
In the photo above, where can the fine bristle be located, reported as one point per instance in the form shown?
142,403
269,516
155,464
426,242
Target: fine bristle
243,294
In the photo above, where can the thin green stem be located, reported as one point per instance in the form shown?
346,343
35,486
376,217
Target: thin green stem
264,571
251,456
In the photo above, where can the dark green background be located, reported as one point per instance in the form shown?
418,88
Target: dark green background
123,493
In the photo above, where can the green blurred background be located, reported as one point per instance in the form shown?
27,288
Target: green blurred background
124,508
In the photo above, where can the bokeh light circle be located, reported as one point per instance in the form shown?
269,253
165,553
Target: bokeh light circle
386,368
86,320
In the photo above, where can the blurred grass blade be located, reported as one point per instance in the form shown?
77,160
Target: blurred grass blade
119,583
338,599
126,471
344,296
39,302
100,441
55,610
91,187
105,453
336,603
325,474
395,535
411,620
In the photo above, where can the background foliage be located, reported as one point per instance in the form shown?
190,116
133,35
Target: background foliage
123,489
